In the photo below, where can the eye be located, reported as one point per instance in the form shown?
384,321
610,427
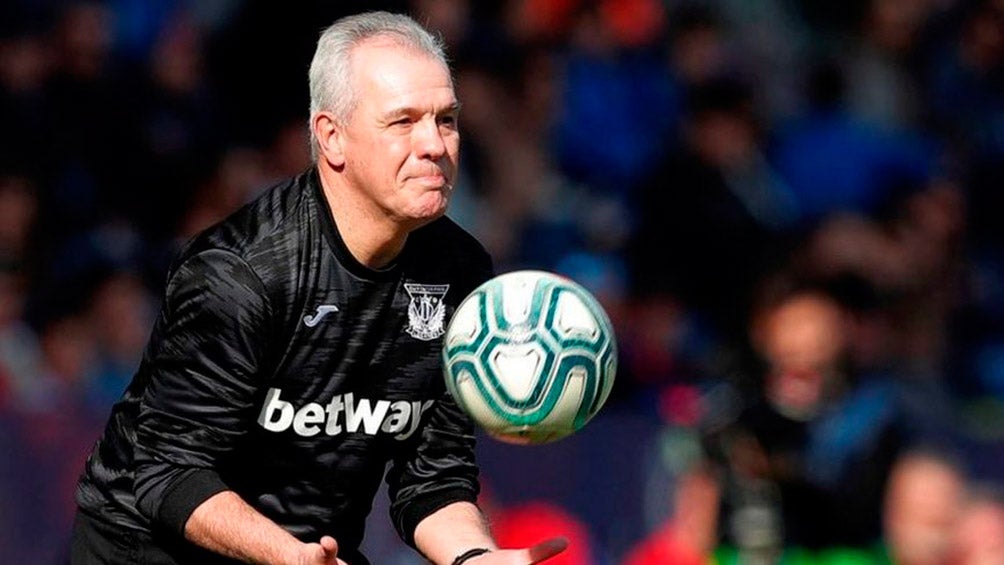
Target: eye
448,120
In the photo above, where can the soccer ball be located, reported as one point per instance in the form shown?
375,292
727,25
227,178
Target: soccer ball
530,356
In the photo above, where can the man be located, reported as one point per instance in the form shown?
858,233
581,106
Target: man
287,368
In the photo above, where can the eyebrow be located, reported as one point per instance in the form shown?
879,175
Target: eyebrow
405,110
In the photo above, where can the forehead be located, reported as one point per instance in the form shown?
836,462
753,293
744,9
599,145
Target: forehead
384,70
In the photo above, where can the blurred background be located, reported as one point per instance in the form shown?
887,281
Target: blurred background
791,209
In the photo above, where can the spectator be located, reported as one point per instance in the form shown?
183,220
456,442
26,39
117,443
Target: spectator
20,352
883,89
835,162
979,535
612,110
18,210
689,537
521,525
806,459
179,131
923,504
715,214
120,313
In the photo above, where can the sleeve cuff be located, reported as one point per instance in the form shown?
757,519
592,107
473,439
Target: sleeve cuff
418,509
186,495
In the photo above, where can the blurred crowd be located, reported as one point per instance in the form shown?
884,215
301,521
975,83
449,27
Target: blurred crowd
791,210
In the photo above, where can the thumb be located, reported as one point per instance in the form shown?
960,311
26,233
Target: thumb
330,547
547,549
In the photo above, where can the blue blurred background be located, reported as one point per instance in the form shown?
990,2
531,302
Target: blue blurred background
791,210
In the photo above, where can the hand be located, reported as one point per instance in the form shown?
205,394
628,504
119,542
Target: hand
323,553
528,556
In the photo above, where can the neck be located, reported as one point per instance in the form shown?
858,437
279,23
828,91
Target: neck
373,238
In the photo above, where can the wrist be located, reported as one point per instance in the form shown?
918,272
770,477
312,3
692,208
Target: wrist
470,554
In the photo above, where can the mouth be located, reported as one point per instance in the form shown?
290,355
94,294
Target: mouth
435,181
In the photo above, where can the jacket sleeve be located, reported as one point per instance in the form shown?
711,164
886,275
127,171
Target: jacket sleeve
202,366
441,469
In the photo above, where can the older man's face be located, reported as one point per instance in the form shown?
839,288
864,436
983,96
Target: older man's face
401,141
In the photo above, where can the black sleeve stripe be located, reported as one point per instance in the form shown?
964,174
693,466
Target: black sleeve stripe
185,495
426,504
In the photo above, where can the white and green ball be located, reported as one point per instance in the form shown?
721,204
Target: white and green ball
530,356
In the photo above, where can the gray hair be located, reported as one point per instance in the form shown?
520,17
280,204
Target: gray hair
331,69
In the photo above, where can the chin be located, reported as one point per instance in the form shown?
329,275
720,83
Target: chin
434,214
433,204
420,216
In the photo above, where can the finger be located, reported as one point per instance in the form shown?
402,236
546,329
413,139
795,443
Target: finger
330,546
547,549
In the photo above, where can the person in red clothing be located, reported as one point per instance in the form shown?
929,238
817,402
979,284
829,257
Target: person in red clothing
515,525
688,537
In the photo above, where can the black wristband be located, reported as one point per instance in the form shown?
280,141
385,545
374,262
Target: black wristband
470,554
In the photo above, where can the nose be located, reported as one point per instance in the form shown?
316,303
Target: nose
428,140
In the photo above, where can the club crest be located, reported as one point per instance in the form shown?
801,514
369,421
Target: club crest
426,311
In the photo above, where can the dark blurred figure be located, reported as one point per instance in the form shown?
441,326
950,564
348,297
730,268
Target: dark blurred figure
714,217
18,211
53,430
69,358
612,111
699,50
120,312
20,353
91,120
87,189
180,129
25,66
882,63
965,81
808,453
239,174
262,38
515,197
834,161
915,260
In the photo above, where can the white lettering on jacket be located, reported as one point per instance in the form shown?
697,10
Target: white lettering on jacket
343,413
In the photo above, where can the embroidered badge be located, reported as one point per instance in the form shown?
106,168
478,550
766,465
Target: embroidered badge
426,311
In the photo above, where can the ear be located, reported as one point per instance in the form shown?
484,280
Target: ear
329,138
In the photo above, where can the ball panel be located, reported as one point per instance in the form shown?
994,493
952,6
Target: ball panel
466,323
572,338
478,391
580,368
609,368
516,298
516,368
495,377
479,406
471,311
573,319
567,407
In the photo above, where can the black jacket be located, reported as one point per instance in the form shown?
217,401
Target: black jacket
284,370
